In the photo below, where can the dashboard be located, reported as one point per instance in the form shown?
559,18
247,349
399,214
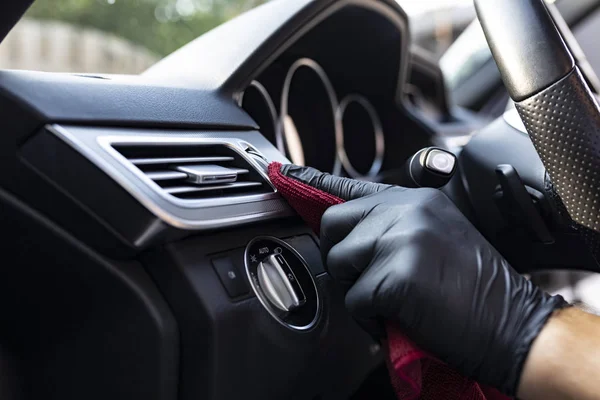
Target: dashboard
130,203
142,238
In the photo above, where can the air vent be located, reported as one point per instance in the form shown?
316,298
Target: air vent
196,172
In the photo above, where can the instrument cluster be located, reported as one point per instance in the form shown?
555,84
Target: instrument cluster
313,125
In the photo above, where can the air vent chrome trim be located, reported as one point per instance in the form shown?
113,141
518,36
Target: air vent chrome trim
108,142
96,144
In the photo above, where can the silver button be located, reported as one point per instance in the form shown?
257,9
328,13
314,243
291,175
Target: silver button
440,161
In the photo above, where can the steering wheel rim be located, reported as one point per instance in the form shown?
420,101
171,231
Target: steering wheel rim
557,107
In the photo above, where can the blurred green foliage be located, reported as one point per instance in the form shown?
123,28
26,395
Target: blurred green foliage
161,26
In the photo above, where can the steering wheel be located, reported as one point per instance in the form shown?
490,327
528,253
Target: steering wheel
556,105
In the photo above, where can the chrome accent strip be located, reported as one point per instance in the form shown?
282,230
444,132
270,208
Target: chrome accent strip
207,188
285,93
265,302
166,175
513,119
378,131
177,160
132,187
272,110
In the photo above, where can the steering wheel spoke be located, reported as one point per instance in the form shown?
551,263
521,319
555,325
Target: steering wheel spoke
558,108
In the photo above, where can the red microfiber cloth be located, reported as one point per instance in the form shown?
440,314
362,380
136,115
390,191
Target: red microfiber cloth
414,373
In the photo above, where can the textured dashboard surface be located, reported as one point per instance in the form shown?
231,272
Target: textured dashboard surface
120,100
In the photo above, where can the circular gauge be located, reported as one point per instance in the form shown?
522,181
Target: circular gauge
257,102
307,121
359,137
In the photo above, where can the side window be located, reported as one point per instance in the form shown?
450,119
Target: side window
110,36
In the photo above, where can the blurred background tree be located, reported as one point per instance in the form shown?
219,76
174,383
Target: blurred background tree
161,26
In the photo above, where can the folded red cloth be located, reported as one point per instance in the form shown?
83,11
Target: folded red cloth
414,373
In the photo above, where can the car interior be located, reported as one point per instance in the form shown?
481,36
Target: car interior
139,225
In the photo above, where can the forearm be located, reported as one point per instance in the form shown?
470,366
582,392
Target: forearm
564,361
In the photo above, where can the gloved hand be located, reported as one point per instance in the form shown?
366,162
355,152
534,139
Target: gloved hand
411,257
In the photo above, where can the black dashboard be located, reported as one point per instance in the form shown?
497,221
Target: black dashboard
142,235
127,276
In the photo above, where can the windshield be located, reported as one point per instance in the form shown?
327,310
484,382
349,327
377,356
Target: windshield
126,36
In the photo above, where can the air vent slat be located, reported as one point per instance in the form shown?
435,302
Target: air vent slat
209,172
179,160
226,186
166,175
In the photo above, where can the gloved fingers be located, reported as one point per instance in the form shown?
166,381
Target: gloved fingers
350,246
382,290
338,221
362,299
360,302
344,188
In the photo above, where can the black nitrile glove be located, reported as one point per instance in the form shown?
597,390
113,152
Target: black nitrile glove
411,257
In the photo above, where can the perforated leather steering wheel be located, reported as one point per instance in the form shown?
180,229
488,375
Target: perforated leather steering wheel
559,111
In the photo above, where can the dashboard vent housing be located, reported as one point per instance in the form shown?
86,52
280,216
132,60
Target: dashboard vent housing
196,171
